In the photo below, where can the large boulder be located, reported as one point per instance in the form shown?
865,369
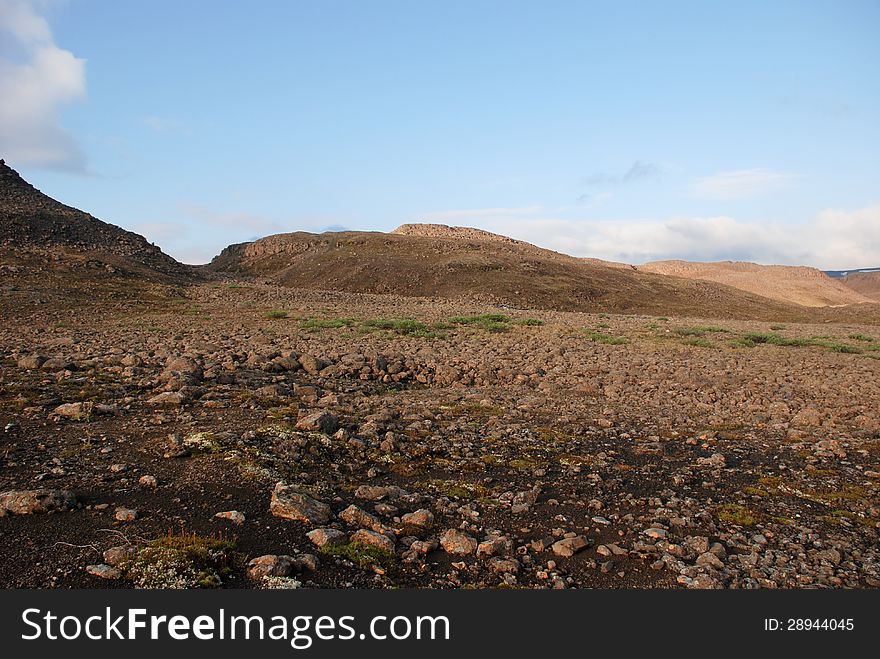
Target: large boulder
288,503
29,502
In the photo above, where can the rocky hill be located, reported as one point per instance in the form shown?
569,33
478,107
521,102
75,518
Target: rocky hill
34,223
791,284
473,265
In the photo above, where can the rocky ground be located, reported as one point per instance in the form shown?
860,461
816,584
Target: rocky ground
241,435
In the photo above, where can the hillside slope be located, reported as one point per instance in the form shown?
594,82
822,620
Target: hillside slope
495,271
790,284
32,222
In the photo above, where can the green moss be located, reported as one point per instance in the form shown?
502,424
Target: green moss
457,489
861,337
276,313
530,322
360,554
182,561
735,514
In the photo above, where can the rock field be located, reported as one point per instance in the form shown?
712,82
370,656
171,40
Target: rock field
243,435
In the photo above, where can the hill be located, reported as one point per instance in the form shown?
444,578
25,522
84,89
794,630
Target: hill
790,284
483,267
34,223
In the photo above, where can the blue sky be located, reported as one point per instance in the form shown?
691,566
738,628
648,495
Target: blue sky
623,130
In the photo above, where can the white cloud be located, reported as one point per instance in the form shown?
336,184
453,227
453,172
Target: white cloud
34,88
440,216
834,239
740,184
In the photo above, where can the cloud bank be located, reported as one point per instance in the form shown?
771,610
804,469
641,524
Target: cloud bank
36,79
833,239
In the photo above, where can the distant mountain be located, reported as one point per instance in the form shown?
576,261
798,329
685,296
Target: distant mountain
793,284
864,281
31,221
838,274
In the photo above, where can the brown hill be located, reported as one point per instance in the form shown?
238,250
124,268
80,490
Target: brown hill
490,270
864,283
34,223
791,284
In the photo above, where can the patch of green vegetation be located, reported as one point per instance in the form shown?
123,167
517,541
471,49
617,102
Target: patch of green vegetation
846,516
363,555
524,464
735,514
836,346
699,330
599,337
777,328
402,326
185,560
316,324
861,337
663,318
530,322
276,314
491,322
849,493
751,339
776,339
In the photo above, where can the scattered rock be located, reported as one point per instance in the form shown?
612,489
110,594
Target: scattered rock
233,516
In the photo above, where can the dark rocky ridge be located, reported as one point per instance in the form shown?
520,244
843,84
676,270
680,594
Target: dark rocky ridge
33,221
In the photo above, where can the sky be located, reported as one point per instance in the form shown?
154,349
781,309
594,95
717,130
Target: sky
629,131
